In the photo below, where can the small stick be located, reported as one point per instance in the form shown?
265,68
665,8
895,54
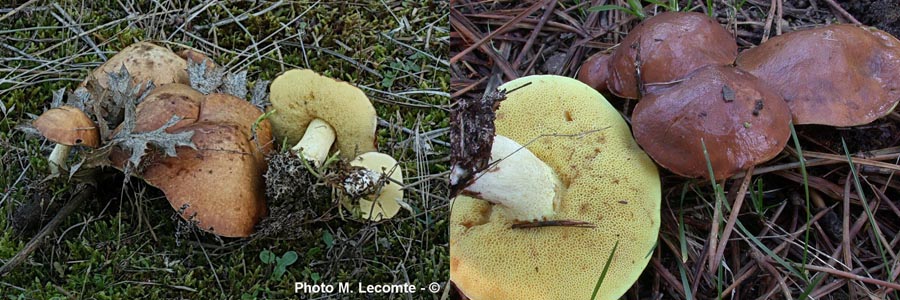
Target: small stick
35,242
732,219
840,10
554,223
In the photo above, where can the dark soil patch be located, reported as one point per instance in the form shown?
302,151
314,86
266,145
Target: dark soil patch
878,135
884,14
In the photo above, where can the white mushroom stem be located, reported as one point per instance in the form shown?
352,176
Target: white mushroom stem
316,142
525,186
58,157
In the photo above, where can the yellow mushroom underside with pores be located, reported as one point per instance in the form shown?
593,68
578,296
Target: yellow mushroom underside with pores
604,179
386,202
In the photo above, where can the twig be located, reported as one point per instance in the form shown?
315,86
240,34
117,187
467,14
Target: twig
240,17
735,211
841,11
17,9
35,242
71,24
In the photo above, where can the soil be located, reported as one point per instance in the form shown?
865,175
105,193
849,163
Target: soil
884,14
878,135
294,198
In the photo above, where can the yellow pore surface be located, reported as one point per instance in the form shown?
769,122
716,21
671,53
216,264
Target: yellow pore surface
609,181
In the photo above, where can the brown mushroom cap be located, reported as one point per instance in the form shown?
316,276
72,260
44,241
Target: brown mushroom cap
145,61
740,119
69,126
595,71
163,102
838,75
220,185
670,45
197,57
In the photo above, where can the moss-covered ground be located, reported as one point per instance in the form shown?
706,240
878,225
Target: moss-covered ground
126,242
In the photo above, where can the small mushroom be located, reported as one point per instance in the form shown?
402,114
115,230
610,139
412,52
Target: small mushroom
597,174
741,120
376,203
145,61
666,47
837,75
314,112
595,71
198,57
66,126
219,185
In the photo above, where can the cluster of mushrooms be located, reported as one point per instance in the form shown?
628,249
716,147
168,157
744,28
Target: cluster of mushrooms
695,90
550,186
181,124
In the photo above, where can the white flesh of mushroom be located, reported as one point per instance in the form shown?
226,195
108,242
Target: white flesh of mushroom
525,186
57,158
316,142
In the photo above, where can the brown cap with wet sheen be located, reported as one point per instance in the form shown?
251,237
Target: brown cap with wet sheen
670,45
838,75
595,71
742,122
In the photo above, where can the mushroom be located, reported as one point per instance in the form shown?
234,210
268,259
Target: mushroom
667,47
740,119
66,126
198,57
838,75
145,61
314,111
595,71
219,185
376,203
598,174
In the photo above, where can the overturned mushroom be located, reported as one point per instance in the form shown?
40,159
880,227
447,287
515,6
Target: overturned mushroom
566,154
66,126
314,112
379,198
741,121
219,185
667,47
838,75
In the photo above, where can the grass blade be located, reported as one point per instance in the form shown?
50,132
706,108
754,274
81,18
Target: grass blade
605,269
806,194
865,202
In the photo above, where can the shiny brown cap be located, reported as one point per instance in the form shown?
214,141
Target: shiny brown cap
670,45
69,126
595,71
838,75
740,119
